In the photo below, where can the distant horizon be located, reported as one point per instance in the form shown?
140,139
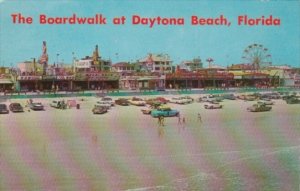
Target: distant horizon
129,42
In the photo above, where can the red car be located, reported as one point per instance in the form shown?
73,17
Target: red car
16,107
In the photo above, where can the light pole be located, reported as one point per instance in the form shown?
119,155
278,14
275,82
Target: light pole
57,58
73,62
34,65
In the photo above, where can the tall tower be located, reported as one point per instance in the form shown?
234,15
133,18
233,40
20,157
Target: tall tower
96,58
44,57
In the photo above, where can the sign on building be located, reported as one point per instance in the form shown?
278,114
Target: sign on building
83,64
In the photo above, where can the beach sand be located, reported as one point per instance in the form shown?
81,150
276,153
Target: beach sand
73,149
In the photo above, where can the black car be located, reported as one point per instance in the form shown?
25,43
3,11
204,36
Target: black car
3,109
16,107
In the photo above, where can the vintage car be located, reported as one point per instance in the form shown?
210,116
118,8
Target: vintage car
266,102
213,106
122,102
157,101
229,96
36,106
210,99
292,100
104,104
247,97
272,95
58,104
164,111
146,110
3,109
106,100
259,107
180,100
16,107
189,98
137,101
99,109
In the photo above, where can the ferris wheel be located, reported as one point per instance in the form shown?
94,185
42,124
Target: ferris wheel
257,56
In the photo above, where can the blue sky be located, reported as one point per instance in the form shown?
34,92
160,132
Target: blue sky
20,42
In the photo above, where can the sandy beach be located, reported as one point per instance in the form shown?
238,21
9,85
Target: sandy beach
73,149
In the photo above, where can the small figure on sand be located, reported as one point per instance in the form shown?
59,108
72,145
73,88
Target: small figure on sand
199,118
161,131
183,120
179,119
162,121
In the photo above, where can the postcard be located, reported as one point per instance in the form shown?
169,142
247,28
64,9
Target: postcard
149,95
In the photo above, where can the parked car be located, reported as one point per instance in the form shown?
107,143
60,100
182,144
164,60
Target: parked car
266,102
16,107
146,110
157,101
99,109
229,96
58,104
36,106
292,100
137,101
247,97
3,109
259,107
180,100
164,111
122,102
104,104
213,106
210,99
106,100
189,98
272,95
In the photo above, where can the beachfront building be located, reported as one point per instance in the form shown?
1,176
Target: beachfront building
124,68
6,79
156,63
191,65
143,81
204,78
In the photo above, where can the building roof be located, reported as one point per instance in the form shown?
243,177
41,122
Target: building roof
156,58
240,67
121,64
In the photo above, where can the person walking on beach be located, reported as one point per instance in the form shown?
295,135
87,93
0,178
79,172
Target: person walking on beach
159,120
179,119
199,118
183,120
162,121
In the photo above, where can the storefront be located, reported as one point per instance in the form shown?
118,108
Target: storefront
29,83
134,82
96,81
199,80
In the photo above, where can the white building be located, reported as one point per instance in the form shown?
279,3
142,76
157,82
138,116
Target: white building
157,63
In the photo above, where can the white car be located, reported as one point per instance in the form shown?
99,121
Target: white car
213,106
106,100
137,101
180,100
58,104
103,104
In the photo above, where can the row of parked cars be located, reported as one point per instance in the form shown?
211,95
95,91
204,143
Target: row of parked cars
17,107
